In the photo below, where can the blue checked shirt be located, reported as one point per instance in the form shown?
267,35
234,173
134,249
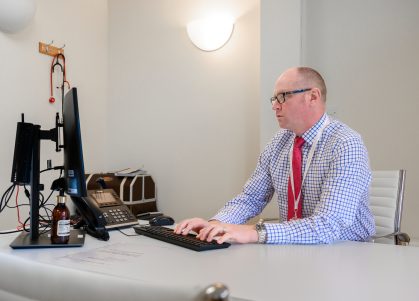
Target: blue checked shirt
335,191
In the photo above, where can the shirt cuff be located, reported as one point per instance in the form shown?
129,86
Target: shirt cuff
224,218
276,233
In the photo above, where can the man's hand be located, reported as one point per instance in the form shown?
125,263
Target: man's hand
229,233
220,232
193,224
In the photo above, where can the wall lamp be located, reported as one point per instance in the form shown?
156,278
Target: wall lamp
15,15
211,33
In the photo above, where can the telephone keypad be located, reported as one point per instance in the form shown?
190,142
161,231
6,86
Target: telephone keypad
117,216
115,212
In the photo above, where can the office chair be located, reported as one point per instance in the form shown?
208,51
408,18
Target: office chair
386,203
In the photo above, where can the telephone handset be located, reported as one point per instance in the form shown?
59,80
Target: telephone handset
102,210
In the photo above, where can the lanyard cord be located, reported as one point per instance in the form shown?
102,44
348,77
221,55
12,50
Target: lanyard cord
309,159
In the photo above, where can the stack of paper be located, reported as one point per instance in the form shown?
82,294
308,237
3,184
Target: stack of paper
130,172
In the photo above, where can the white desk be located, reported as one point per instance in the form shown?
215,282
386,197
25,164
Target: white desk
135,268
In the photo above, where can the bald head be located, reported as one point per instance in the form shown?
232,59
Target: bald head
308,78
312,78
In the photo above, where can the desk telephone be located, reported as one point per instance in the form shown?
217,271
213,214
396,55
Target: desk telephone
102,210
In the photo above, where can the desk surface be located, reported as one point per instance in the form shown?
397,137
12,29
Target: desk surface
342,271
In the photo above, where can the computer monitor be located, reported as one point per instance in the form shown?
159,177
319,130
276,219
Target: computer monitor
74,175
22,158
73,150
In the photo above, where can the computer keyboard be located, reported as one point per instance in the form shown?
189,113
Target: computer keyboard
187,241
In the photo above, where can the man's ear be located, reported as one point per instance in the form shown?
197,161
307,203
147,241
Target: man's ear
315,95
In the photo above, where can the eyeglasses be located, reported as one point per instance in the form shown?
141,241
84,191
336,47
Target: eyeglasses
280,98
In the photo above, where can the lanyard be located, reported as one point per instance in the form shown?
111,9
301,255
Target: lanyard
309,159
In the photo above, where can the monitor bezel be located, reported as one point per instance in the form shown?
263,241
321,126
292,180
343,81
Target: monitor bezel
73,148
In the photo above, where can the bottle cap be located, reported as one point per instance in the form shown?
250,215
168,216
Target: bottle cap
61,199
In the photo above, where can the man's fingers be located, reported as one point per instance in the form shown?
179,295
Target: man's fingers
211,231
203,233
193,224
216,231
181,227
224,238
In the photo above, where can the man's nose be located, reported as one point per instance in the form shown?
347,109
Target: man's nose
276,106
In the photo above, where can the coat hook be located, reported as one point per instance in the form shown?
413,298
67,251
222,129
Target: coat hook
60,50
47,46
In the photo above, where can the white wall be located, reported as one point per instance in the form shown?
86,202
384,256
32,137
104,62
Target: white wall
24,82
190,117
280,27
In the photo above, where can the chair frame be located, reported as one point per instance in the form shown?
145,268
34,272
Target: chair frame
400,198
400,238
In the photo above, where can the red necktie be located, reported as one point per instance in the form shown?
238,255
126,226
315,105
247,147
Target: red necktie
296,169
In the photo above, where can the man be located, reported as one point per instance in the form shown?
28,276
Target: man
318,168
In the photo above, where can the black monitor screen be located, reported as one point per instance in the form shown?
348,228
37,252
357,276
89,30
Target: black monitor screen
73,151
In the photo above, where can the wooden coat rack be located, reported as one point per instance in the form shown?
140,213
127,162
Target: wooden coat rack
50,49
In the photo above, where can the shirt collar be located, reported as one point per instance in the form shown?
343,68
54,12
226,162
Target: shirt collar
312,132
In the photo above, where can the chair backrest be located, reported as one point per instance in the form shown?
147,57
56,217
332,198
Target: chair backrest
386,200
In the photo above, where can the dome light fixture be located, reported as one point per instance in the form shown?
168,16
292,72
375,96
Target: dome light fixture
211,33
15,15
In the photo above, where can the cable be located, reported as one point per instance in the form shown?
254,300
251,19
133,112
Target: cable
44,202
6,197
46,224
4,203
24,225
20,226
11,231
60,167
27,195
45,219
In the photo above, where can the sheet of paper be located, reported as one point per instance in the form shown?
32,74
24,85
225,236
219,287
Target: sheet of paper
129,259
113,253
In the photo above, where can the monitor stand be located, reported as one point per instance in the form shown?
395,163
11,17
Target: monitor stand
24,241
34,239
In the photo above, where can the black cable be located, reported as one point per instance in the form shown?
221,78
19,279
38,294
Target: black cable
9,232
47,218
45,227
24,225
27,193
44,219
24,204
60,167
6,197
18,206
44,202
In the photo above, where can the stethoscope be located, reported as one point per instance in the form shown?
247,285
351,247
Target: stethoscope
56,62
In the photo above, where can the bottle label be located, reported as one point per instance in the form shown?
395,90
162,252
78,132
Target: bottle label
63,227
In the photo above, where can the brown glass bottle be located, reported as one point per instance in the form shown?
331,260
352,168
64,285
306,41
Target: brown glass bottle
60,230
